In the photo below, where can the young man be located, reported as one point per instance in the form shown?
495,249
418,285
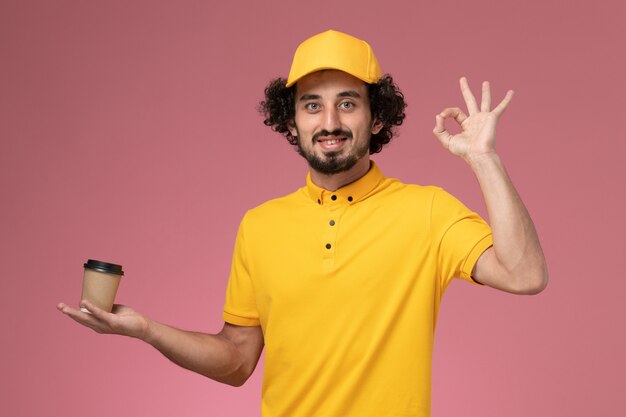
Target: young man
341,281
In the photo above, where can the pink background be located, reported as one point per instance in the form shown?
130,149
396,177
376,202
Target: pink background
129,134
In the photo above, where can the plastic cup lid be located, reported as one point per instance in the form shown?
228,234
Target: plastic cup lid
105,267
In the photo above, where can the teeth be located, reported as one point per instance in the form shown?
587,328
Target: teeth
332,141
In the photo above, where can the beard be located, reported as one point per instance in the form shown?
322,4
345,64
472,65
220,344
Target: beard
332,162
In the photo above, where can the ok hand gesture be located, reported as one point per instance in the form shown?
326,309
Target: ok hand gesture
478,130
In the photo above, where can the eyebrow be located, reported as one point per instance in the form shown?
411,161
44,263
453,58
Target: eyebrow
349,93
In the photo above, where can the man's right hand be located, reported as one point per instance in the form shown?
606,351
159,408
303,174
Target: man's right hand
228,357
122,320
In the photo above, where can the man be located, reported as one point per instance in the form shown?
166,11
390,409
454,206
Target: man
341,280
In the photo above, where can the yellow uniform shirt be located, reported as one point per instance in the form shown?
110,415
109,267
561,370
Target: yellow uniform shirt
346,286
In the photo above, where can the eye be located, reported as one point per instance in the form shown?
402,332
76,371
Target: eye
312,106
346,105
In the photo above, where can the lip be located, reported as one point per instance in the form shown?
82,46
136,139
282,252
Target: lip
332,143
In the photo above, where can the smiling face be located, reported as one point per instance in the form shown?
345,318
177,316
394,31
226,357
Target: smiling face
333,122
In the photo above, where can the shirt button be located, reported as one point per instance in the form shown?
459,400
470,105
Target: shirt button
333,197
328,246
350,198
332,222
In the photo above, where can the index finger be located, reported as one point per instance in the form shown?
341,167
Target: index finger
86,319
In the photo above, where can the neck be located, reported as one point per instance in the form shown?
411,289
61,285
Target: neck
333,182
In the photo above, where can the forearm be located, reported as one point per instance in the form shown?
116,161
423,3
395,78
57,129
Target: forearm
520,260
228,357
211,355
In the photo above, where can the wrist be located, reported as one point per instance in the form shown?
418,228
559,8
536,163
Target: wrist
483,160
147,331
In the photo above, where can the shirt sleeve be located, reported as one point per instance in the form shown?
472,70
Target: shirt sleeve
240,305
460,237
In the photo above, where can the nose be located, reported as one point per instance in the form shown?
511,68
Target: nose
331,119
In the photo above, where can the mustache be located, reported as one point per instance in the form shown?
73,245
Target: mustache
336,132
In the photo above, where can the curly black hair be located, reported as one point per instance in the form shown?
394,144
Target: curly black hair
386,103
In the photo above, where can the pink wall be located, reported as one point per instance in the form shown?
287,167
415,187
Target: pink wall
129,134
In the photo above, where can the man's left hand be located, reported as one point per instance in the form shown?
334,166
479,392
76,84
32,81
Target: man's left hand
478,130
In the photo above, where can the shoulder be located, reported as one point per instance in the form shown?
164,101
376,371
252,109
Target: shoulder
277,207
432,194
393,189
430,201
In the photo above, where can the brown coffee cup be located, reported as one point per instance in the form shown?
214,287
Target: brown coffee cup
100,283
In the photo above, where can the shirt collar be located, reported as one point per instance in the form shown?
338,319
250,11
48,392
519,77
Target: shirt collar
350,193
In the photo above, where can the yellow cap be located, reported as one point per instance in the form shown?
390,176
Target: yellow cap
335,50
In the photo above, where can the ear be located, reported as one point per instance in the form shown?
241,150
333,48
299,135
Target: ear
377,126
292,128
